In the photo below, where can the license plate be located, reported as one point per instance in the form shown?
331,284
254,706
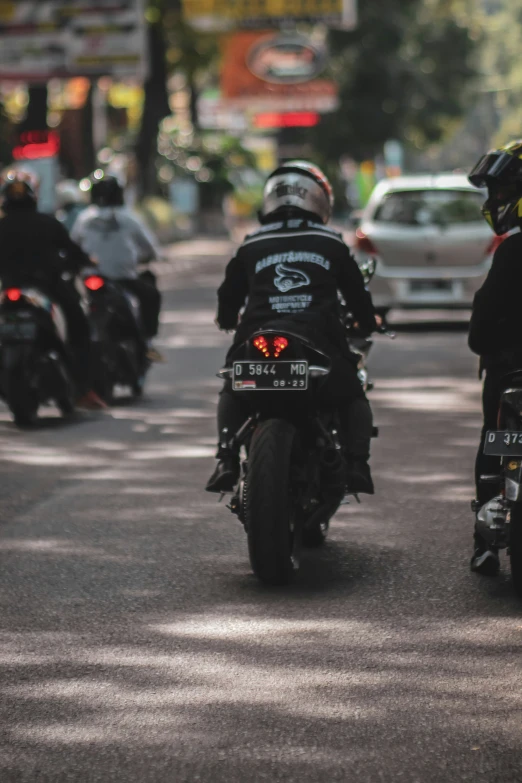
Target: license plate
429,286
17,330
503,443
270,376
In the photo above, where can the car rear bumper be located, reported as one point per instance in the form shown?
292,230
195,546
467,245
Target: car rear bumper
415,292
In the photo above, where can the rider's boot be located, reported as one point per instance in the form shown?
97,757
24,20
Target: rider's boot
91,401
485,559
153,354
226,473
358,475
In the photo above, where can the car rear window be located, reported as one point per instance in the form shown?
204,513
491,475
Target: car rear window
430,207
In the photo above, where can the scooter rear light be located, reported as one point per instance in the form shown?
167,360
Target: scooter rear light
261,343
94,282
13,294
364,244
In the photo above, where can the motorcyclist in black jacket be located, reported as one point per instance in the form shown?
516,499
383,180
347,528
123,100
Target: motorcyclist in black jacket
496,320
36,248
290,271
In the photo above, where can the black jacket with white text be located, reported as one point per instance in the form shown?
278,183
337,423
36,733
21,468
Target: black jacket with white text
293,270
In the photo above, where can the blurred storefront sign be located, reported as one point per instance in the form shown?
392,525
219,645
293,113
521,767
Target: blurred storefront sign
265,150
106,42
184,196
393,157
238,114
47,170
222,15
243,89
216,114
366,181
286,59
37,144
296,119
40,39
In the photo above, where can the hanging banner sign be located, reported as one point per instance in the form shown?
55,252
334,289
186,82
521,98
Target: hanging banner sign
269,80
286,59
107,42
267,72
41,39
220,15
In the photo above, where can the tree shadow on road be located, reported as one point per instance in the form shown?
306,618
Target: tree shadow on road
138,647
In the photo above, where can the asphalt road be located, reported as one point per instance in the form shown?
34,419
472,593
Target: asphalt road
136,646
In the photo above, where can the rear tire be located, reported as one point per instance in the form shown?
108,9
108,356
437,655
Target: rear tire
22,400
515,547
103,383
268,503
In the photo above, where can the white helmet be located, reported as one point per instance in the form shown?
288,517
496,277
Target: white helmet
298,185
68,192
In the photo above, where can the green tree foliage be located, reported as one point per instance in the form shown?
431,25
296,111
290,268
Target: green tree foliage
502,72
404,73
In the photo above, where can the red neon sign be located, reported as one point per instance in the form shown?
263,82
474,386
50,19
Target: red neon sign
296,119
37,144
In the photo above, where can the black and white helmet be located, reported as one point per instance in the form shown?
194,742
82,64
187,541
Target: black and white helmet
301,186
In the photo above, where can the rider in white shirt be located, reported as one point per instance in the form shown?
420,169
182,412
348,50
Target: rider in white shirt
109,232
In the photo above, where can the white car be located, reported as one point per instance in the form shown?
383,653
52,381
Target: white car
432,246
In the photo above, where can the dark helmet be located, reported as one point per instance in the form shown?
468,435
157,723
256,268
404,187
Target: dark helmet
19,190
500,171
106,190
298,186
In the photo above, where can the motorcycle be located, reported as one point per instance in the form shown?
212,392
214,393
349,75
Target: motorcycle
36,362
499,521
119,348
292,478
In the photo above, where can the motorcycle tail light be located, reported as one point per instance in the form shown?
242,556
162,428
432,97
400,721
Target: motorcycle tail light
13,294
94,282
364,244
280,344
261,343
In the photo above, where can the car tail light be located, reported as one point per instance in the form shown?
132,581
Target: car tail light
13,294
261,343
364,244
495,243
280,344
94,282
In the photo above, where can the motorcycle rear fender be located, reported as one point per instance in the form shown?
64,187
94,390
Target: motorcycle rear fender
44,304
99,321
